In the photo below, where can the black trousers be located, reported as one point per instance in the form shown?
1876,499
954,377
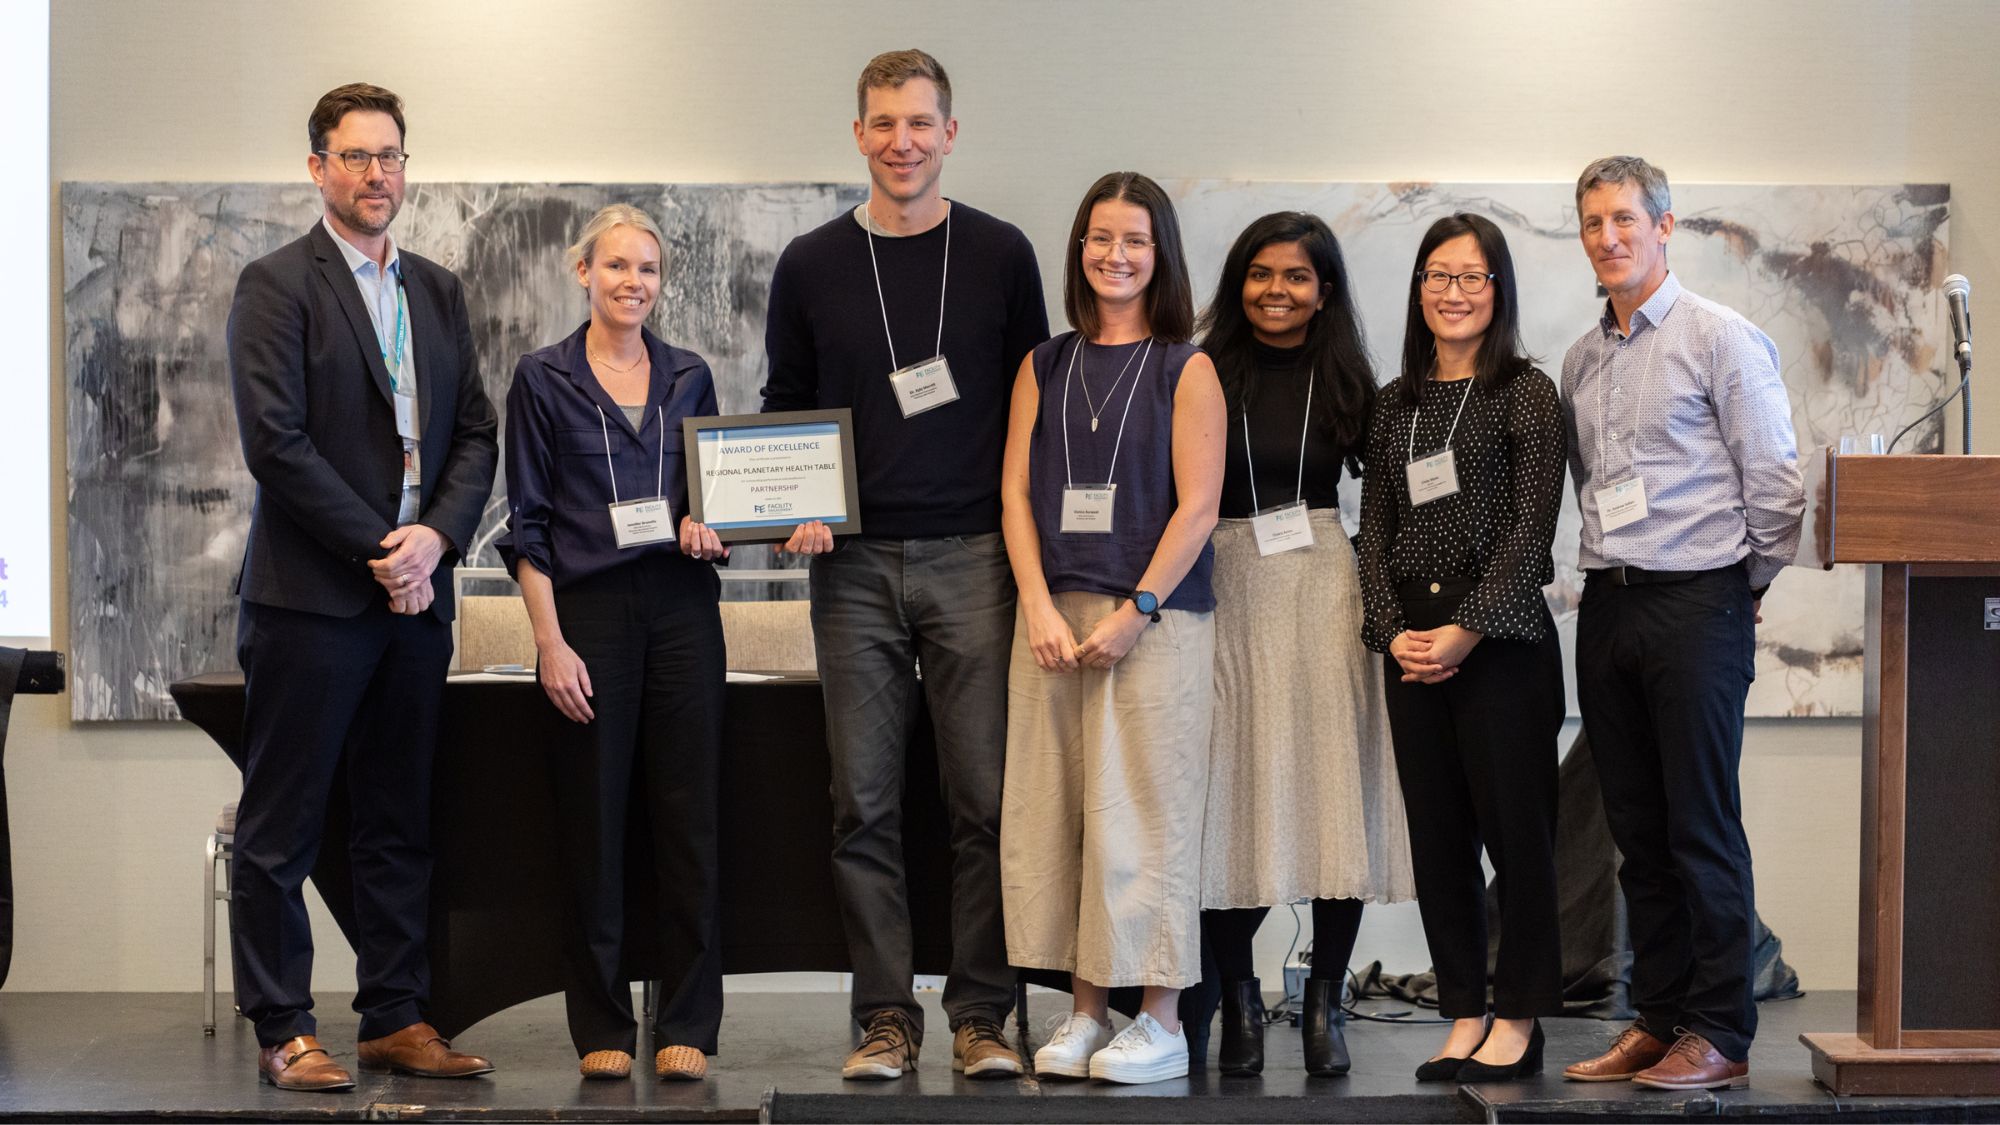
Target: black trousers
650,636
326,695
1476,756
1662,673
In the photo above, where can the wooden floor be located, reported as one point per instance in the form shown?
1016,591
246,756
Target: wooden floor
125,1056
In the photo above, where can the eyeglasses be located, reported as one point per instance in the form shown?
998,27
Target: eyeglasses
1136,246
1437,281
355,160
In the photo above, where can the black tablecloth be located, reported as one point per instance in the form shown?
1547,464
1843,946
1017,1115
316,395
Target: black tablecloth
10,673
497,896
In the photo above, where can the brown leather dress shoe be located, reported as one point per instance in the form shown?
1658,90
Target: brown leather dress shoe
1635,1050
1694,1064
418,1049
302,1064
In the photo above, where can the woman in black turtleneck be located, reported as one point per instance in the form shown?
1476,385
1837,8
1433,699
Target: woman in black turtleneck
1303,800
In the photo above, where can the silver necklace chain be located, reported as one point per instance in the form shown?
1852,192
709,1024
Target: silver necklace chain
1082,376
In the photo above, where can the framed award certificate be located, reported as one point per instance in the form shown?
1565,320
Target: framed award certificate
754,477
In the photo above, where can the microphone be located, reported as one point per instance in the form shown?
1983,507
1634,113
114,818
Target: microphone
1958,295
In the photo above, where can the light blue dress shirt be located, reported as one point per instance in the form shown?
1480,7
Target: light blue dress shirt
381,291
1692,402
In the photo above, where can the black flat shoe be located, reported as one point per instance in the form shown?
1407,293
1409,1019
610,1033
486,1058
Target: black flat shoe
1530,1062
1242,1047
1320,1027
1450,1069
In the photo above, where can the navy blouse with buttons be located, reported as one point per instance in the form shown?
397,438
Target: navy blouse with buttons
558,476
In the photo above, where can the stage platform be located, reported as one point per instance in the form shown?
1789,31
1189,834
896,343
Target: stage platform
126,1056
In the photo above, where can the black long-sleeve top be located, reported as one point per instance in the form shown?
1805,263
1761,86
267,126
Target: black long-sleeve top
1510,447
937,473
1276,415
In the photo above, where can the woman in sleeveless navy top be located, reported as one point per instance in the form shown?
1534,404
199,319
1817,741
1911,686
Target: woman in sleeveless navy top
1112,476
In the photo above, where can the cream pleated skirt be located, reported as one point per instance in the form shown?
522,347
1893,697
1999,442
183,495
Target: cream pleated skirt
1303,800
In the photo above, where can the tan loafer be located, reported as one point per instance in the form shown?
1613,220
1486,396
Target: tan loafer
605,1065
302,1064
680,1064
419,1050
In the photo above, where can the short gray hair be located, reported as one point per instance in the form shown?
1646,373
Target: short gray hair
1628,170
600,224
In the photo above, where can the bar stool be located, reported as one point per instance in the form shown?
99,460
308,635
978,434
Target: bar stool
221,846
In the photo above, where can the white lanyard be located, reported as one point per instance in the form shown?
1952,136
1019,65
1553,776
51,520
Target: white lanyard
1419,413
1299,490
1068,476
660,481
945,277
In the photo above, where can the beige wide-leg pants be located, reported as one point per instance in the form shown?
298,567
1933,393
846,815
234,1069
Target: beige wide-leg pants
1101,814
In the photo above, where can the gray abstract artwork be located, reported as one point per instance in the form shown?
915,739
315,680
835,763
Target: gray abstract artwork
159,499
1844,279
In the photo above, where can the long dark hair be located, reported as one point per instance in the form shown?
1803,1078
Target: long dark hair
1334,347
1169,296
1501,355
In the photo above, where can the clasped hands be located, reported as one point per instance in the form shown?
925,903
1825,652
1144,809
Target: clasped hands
1056,649
405,572
1432,656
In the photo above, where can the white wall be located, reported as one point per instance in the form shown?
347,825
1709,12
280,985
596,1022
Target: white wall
108,818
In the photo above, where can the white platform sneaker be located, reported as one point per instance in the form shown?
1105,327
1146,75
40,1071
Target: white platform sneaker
1073,1040
1143,1052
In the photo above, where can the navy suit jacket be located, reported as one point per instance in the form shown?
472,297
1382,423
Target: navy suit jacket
318,426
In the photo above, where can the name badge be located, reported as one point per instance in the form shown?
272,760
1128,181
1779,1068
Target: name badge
1281,529
635,523
1432,478
1622,504
924,386
1087,509
406,416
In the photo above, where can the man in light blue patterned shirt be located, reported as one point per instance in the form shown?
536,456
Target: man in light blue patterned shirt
1686,470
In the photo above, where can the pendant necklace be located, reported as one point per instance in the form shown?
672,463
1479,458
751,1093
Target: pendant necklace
1093,407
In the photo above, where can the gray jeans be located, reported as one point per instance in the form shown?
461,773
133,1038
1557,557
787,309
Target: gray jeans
879,606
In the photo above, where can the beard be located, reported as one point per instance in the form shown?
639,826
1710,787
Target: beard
350,213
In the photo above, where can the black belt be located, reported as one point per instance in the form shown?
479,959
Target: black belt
1436,588
1637,576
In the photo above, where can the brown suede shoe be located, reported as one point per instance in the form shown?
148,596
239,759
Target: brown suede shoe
979,1049
1694,1064
1635,1050
418,1049
302,1064
889,1048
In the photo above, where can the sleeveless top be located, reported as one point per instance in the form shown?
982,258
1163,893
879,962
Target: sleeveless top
1142,403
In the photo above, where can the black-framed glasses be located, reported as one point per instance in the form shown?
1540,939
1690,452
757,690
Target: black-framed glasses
1437,281
1136,246
357,161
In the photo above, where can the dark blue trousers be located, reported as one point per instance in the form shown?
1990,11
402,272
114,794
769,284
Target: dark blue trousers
326,697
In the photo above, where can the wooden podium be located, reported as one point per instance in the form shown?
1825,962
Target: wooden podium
1928,1014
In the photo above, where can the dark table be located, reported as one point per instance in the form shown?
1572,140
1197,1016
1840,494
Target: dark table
497,892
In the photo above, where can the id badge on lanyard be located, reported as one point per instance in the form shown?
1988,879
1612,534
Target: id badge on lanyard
1434,476
924,386
1621,504
1087,509
1283,528
635,523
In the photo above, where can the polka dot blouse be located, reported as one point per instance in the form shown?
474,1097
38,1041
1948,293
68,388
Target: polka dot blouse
1510,448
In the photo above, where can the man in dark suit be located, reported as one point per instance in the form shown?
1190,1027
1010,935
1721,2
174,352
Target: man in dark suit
373,446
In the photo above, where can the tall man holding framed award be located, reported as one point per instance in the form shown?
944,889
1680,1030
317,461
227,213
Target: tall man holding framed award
913,312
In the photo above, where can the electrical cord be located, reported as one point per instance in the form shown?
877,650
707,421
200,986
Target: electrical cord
1942,403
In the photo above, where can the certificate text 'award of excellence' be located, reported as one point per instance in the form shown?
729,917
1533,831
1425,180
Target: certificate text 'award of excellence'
754,477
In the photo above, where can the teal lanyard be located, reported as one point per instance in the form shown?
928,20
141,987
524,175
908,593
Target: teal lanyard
400,337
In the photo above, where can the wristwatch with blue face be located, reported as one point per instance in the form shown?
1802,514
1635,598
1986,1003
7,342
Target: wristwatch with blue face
1147,603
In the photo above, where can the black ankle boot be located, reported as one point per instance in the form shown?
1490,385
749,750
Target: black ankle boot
1242,1049
1320,1026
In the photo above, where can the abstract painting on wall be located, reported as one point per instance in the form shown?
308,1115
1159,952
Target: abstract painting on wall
1843,278
159,499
